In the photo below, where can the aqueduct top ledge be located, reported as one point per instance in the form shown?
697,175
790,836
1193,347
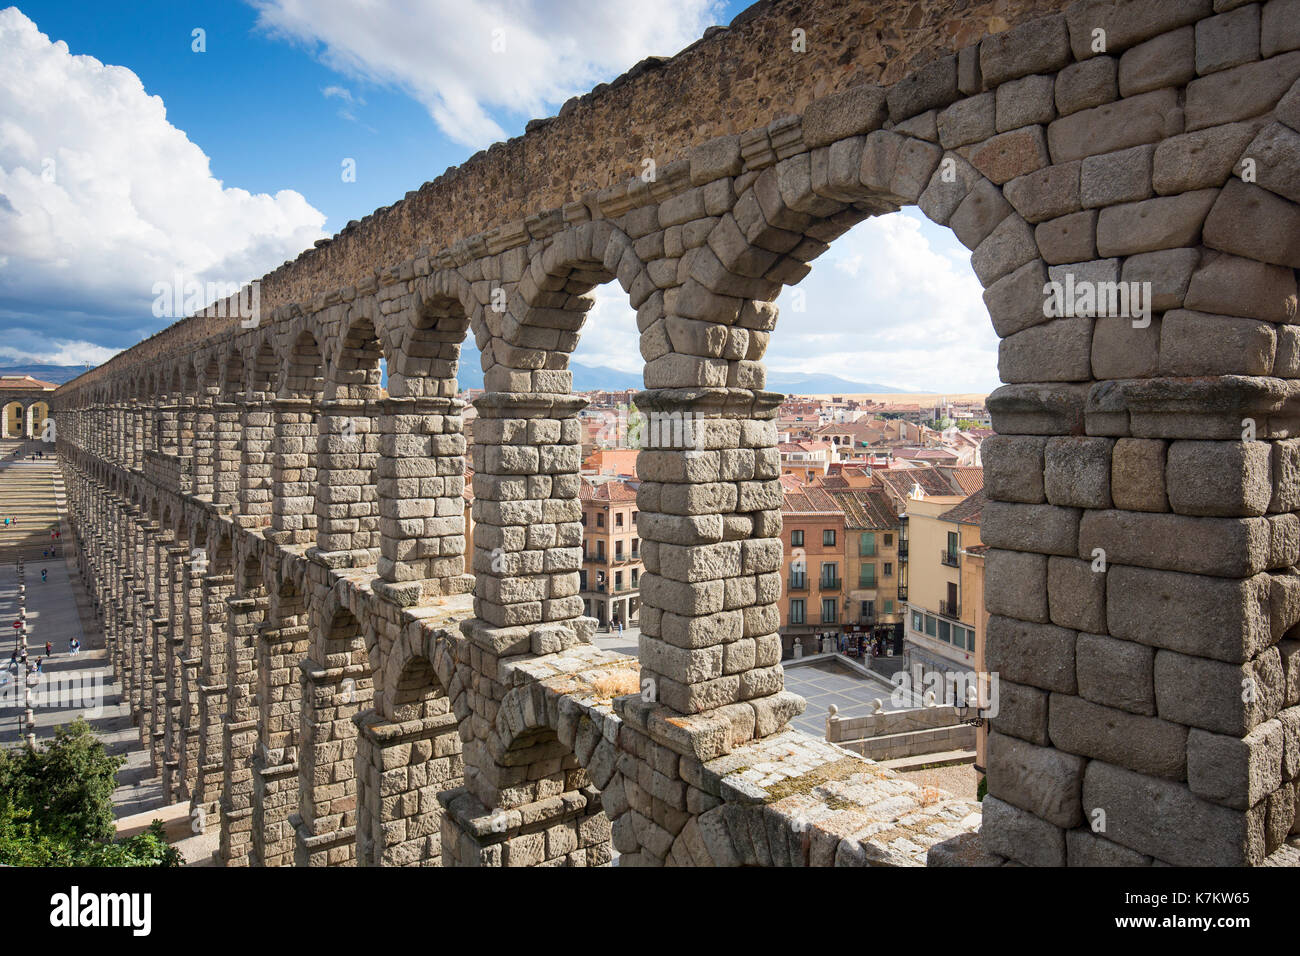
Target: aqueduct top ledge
735,79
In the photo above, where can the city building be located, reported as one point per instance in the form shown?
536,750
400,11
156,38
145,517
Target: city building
813,572
871,528
610,580
945,614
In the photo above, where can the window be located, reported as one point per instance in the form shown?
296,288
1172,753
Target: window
798,579
828,610
618,519
889,539
889,607
634,519
582,580
828,538
866,544
945,632
889,570
916,621
600,520
929,625
618,580
600,550
635,576
952,599
796,611
796,539
830,575
868,610
618,550
867,576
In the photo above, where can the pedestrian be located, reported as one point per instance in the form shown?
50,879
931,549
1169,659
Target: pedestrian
40,664
42,574
49,648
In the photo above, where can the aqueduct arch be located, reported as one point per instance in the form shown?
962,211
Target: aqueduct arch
1143,514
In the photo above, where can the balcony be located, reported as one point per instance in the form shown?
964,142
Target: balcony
798,582
829,584
902,592
902,551
950,609
950,558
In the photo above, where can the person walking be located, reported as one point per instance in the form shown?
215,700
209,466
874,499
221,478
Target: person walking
42,575
49,648
40,665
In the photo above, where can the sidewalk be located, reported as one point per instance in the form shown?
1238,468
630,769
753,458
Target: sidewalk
58,609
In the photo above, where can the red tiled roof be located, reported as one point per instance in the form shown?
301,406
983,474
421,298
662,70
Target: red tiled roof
966,512
866,508
969,480
614,491
25,382
810,501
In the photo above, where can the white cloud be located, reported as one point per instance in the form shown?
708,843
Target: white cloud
58,353
893,302
465,60
105,197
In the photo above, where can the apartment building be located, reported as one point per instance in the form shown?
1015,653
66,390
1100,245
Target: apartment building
806,461
610,579
945,613
813,573
871,528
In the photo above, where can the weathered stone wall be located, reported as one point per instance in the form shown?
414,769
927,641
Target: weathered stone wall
1143,519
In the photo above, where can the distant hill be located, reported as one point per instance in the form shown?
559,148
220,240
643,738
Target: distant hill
55,374
803,383
588,378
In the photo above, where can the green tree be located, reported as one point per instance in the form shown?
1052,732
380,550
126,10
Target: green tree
67,785
56,807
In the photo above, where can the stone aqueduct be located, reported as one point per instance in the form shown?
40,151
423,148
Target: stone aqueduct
336,682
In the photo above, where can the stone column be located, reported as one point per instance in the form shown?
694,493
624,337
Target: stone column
293,472
192,607
336,686
527,554
280,650
710,522
216,590
244,616
421,485
401,768
203,450
226,452
173,641
185,435
257,438
345,498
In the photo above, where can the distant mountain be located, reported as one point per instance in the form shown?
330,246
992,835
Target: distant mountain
55,374
589,378
803,383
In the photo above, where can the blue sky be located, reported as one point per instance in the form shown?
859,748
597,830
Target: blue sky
222,163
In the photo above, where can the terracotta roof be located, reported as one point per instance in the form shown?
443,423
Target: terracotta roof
901,480
615,491
810,501
24,382
968,511
866,508
968,480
